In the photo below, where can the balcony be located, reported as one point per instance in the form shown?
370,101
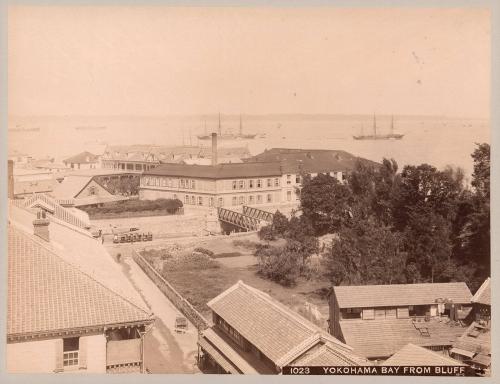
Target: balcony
120,352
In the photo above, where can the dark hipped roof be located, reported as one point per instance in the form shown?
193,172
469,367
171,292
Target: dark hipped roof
483,294
363,296
310,160
219,171
47,294
278,332
83,158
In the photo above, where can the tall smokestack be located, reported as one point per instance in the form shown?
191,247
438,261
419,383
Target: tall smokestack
10,174
214,148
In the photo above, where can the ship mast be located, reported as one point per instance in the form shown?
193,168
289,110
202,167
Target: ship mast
374,125
392,124
241,127
220,133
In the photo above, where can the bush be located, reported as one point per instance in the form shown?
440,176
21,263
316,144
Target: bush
169,205
205,251
245,244
191,262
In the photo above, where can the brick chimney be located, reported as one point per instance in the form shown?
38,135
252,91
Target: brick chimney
10,173
214,148
41,226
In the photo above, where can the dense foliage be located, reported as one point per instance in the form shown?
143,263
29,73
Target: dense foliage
417,225
170,206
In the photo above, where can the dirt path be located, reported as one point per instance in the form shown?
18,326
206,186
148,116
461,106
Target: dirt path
166,351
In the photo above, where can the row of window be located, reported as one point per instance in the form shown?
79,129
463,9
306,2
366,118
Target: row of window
235,200
258,183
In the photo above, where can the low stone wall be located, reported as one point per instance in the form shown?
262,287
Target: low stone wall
199,321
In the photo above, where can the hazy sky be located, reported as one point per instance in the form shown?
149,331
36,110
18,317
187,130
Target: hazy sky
164,60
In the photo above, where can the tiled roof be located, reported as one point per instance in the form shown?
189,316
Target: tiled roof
382,338
325,355
310,160
220,171
363,296
82,158
483,294
44,201
476,339
414,355
78,247
46,293
278,332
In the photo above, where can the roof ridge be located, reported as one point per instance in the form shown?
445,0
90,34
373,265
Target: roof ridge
52,250
293,315
481,290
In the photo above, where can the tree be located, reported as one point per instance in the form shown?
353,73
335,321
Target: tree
365,253
325,203
279,264
427,242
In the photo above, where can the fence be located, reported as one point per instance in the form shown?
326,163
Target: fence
175,297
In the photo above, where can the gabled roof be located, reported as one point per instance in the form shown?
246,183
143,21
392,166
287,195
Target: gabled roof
310,160
82,158
414,355
219,171
382,338
72,185
363,296
41,200
48,294
483,294
278,332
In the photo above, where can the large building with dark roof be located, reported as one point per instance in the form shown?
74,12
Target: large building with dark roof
218,185
271,178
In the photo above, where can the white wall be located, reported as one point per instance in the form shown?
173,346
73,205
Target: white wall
40,356
31,357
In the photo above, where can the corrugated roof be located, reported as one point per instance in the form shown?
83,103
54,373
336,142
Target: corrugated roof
362,296
274,329
46,293
382,338
219,171
82,158
310,160
414,355
483,294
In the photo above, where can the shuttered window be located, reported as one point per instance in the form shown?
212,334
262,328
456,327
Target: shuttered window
59,355
380,313
82,353
403,313
368,314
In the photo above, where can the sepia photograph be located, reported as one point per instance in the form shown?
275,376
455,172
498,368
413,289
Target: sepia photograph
248,190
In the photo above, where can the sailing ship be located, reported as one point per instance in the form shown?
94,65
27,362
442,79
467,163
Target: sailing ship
227,135
376,136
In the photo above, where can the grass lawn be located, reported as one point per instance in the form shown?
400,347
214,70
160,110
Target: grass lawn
200,281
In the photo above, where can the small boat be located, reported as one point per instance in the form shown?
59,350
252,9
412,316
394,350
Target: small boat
375,136
18,128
